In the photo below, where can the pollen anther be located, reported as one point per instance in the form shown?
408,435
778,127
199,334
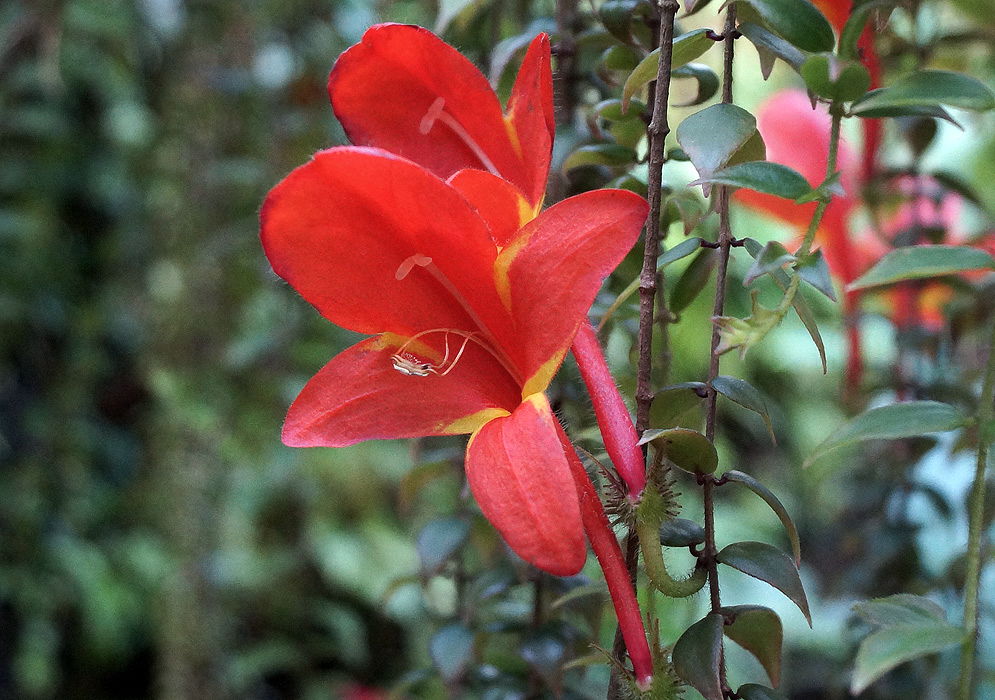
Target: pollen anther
412,366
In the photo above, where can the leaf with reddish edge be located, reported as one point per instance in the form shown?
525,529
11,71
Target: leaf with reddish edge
359,396
758,630
341,229
443,112
520,477
698,654
549,293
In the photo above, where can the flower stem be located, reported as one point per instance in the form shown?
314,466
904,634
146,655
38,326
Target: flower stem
616,426
606,549
976,512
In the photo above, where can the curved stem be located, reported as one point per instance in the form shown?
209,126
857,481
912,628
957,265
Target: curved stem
976,512
606,549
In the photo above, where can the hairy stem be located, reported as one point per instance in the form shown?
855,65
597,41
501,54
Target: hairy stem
976,511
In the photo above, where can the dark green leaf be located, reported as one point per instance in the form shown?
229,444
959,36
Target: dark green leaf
771,258
451,650
610,154
707,79
672,405
687,47
438,541
758,630
930,88
814,270
909,419
769,564
687,449
612,111
681,250
685,205
769,46
754,691
922,261
681,532
829,76
697,655
854,27
761,176
775,505
617,16
900,609
545,653
714,135
885,649
797,21
747,396
922,111
692,281
620,58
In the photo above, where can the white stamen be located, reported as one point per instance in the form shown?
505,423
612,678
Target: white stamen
433,113
436,112
409,264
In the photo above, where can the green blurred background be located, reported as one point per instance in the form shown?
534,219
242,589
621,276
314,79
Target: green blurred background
156,539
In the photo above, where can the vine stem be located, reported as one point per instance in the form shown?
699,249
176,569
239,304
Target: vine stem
609,555
976,512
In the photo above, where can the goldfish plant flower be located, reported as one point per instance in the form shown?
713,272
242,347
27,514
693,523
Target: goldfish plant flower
467,328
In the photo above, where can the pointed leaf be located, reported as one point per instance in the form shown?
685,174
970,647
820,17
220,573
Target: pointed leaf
687,47
798,21
760,176
610,154
932,111
671,405
775,505
814,270
438,541
451,650
747,396
909,419
854,27
829,76
687,449
900,609
681,532
771,258
766,41
930,87
922,261
714,135
754,691
694,279
707,79
758,630
697,655
885,649
769,564
681,250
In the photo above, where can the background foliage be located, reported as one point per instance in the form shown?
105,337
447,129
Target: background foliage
155,537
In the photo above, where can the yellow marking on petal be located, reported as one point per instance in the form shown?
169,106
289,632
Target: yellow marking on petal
473,422
526,212
509,126
502,268
393,341
540,380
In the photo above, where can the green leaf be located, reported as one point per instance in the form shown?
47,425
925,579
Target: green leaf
681,250
613,111
610,154
545,653
839,80
617,16
770,46
620,58
697,655
681,532
769,564
692,280
420,476
687,449
922,261
854,27
814,270
687,47
909,419
797,21
450,10
775,505
885,649
451,650
714,135
747,396
744,333
438,541
930,111
754,691
707,79
930,88
686,206
671,406
761,176
758,630
772,258
900,609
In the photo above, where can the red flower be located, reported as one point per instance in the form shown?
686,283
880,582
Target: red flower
404,90
469,331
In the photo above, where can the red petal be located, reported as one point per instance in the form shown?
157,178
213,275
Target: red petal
520,477
530,114
405,90
497,201
551,272
359,396
342,229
